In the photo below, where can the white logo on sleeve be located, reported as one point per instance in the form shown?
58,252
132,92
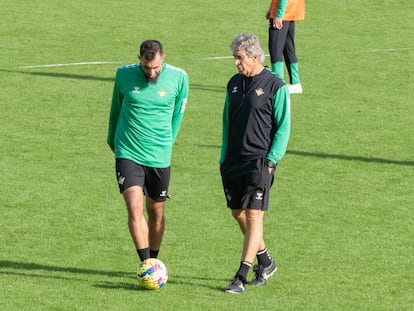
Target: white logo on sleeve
184,104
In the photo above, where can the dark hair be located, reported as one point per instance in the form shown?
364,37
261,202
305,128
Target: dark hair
150,48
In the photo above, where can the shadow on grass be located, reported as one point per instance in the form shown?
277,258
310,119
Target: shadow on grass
193,86
29,266
173,280
211,88
60,75
30,269
117,285
31,274
200,281
350,158
336,156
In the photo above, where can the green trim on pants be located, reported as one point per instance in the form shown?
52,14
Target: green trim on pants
277,69
294,73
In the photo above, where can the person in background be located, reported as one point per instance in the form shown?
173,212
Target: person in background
256,129
282,15
148,103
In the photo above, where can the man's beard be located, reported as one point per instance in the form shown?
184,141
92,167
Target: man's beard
153,79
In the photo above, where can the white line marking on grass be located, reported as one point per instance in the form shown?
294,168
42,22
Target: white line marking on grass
216,57
70,64
219,57
205,58
388,50
366,51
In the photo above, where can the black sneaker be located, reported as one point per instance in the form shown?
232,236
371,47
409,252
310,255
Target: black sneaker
262,274
236,286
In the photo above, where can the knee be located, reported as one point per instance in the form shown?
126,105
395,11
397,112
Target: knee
135,210
254,216
156,210
135,213
239,215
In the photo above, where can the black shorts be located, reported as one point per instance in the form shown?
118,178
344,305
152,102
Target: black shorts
154,181
250,190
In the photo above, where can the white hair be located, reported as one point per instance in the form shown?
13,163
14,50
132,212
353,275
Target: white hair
250,44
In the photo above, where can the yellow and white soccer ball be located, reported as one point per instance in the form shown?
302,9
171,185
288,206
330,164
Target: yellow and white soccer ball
152,274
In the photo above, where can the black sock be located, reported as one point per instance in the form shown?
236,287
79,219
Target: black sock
143,253
243,270
153,253
263,258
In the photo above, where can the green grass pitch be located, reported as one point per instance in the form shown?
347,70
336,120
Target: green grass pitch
341,220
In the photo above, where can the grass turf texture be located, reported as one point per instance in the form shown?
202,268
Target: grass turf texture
340,223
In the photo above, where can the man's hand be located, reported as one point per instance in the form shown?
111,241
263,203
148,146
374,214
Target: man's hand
277,23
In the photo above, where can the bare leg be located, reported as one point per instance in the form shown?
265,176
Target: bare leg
137,224
253,237
156,223
251,224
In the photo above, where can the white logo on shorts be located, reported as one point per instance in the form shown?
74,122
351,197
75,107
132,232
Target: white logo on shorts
163,193
259,196
121,180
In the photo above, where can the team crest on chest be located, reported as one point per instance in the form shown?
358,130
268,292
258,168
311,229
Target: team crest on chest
162,93
259,91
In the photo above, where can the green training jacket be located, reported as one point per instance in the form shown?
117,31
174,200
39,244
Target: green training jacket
145,117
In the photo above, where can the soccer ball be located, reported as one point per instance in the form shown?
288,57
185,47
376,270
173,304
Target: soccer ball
152,273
